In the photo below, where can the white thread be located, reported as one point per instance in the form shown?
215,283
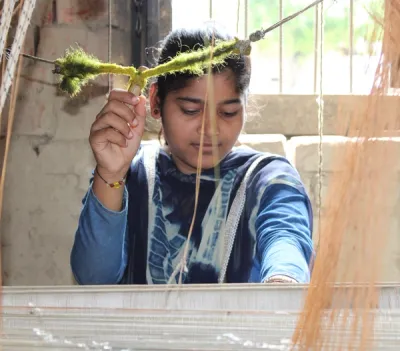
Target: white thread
23,23
5,23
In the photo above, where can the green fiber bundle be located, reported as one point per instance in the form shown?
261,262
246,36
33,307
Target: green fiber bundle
77,67
196,61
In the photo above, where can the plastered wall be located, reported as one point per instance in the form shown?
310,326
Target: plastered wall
50,161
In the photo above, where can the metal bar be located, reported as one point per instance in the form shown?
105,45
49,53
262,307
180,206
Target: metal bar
246,18
280,48
351,43
210,8
238,18
316,40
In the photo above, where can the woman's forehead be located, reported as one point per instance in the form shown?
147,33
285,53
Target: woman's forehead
223,82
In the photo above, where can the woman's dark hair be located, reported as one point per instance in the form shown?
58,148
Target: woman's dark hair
182,40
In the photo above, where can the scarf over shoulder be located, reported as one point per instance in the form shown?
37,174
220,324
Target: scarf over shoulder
252,222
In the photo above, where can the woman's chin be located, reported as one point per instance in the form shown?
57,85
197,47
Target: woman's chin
189,164
209,162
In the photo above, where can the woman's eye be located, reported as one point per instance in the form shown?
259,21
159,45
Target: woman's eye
190,112
224,114
229,114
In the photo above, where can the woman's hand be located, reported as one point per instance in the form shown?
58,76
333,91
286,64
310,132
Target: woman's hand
116,134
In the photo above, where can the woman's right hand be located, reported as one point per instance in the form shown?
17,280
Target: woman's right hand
116,134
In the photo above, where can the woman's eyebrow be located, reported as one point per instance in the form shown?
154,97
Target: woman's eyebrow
231,101
191,99
200,101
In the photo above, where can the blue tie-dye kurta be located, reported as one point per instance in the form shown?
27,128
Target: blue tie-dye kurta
142,244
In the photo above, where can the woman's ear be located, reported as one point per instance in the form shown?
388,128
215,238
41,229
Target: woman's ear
154,102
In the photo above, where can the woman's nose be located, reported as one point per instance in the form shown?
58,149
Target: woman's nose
210,124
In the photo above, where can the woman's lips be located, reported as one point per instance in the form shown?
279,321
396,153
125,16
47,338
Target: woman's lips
207,147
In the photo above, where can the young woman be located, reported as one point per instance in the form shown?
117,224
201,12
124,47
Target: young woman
253,221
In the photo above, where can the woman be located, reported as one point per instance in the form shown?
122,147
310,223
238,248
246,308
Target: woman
138,210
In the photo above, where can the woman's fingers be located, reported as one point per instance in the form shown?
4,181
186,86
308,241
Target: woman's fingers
136,104
123,96
116,122
119,108
109,135
140,107
125,105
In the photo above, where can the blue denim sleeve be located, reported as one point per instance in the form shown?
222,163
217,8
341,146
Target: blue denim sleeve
98,254
284,233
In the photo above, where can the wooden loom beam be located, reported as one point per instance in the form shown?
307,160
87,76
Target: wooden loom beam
193,317
244,297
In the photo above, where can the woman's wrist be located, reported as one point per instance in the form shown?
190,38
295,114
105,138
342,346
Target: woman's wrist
109,189
112,180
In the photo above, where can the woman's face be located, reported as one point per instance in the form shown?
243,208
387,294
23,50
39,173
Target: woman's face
183,113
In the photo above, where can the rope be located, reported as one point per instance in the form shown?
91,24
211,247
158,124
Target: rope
5,24
109,43
23,23
34,58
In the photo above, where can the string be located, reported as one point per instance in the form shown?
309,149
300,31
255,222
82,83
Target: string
182,265
320,119
253,37
109,43
11,116
34,58
260,34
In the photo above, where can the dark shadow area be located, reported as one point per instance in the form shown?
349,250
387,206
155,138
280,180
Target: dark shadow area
91,91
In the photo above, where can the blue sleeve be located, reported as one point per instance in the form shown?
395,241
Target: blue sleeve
284,229
98,254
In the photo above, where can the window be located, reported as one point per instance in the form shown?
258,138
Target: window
288,58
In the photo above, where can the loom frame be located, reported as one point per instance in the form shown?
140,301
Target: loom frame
218,297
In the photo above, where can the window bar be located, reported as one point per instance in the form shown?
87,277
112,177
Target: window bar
351,43
238,18
211,8
316,40
280,48
246,18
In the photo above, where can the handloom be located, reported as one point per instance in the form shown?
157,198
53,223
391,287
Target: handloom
202,317
329,314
